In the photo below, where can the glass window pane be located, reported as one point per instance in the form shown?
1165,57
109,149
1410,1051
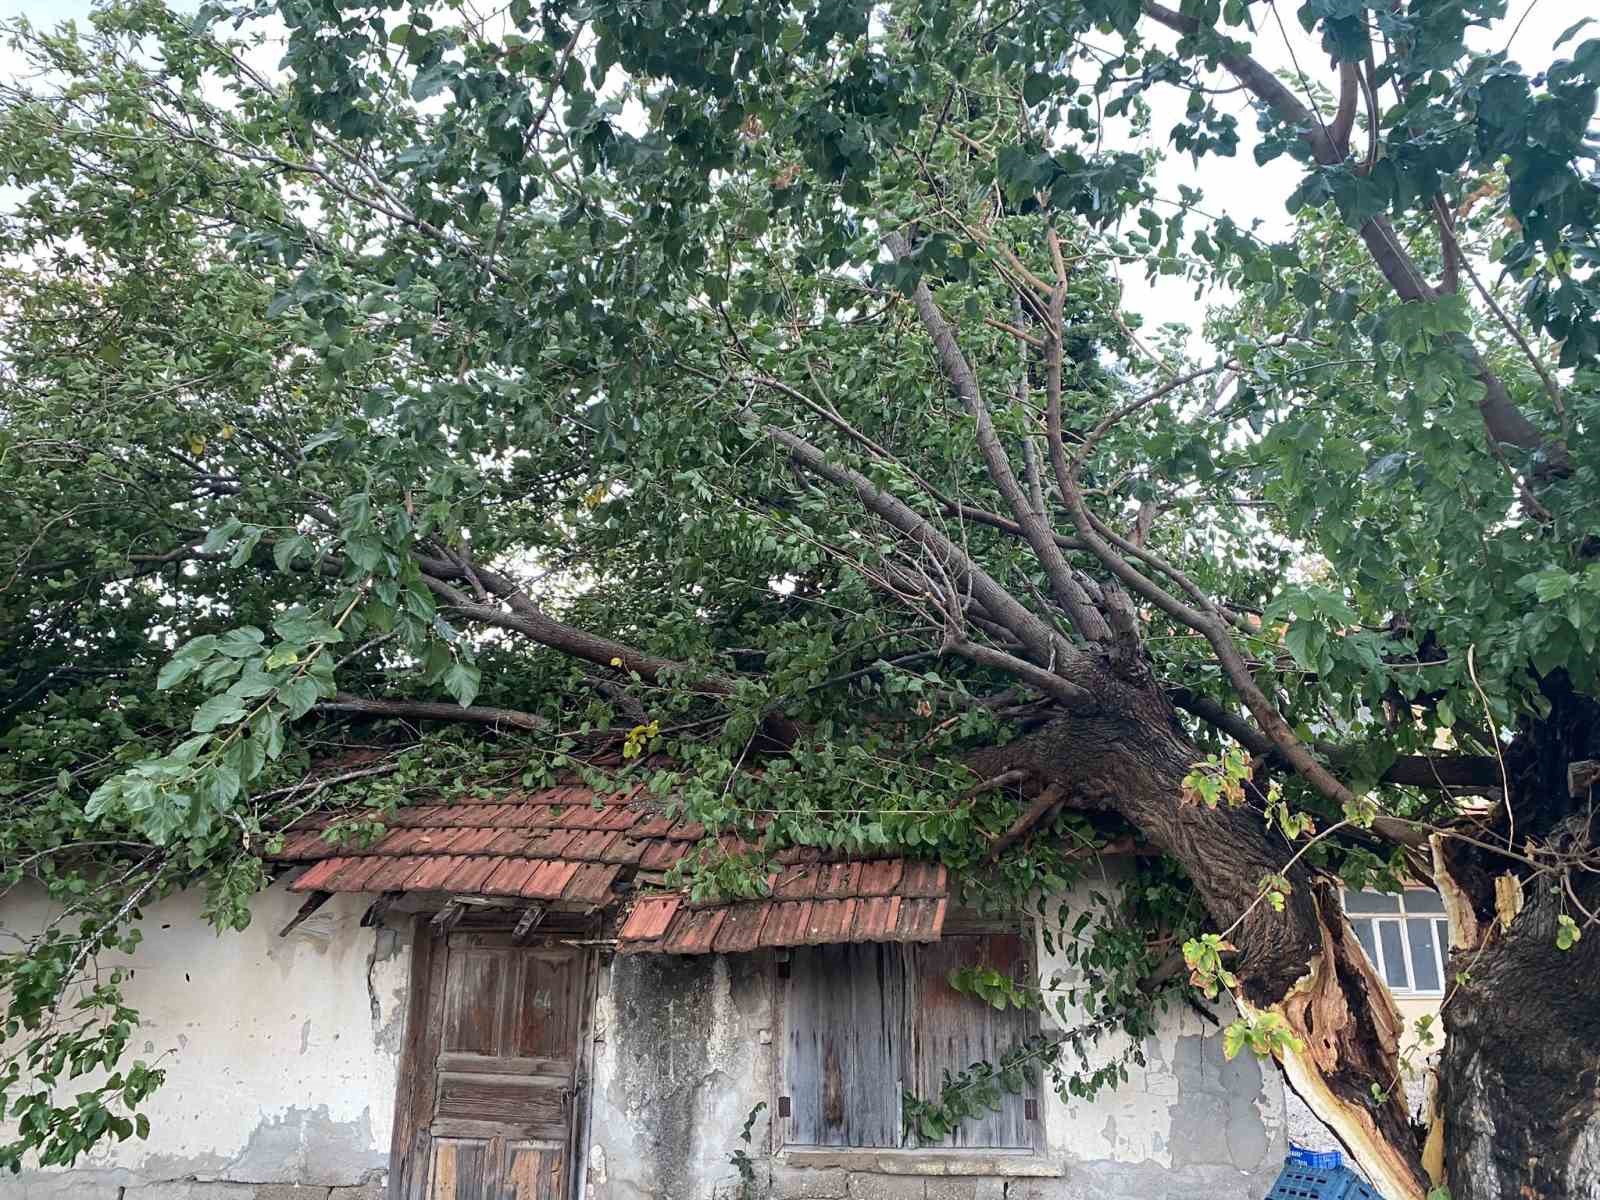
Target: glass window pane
1441,931
1394,955
1368,941
1371,902
1421,900
1424,960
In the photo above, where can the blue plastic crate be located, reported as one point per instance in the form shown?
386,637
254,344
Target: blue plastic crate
1297,1181
1315,1158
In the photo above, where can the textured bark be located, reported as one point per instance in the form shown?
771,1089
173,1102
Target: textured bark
1519,1080
1519,1076
1130,757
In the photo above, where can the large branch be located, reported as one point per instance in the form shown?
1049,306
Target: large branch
1085,618
528,620
1047,647
1505,422
427,710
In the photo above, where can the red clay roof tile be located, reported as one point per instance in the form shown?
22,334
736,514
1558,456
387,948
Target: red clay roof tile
649,918
566,843
432,875
693,931
876,918
508,877
741,929
830,921
590,845
786,924
548,879
922,879
920,921
881,878
591,884
470,875
797,883
473,841
316,875
659,855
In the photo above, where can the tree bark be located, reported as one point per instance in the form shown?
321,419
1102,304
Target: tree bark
1130,757
1519,1075
1519,1078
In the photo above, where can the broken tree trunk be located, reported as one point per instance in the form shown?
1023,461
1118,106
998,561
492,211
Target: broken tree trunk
1130,757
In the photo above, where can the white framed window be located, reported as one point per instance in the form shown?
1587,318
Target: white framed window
1406,936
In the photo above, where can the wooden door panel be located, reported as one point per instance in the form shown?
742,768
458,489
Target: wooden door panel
463,1170
954,1031
496,1077
527,1107
543,1027
475,987
535,1172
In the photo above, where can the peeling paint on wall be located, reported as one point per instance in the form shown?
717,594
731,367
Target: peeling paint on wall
283,1055
280,1053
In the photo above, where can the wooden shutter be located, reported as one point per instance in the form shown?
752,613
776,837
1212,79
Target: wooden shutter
845,1028
864,1022
952,1031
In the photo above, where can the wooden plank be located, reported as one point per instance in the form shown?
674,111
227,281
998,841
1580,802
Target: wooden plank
526,924
473,1000
534,1173
408,1142
530,1105
845,1019
463,1170
954,1031
544,1019
313,902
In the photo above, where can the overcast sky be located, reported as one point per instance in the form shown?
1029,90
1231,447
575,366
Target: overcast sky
1236,187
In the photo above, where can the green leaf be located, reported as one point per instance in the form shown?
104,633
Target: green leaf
461,681
216,712
174,672
1568,934
303,627
298,696
1234,1039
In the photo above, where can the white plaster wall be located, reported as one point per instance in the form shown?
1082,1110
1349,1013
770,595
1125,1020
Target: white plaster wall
280,1053
1187,1106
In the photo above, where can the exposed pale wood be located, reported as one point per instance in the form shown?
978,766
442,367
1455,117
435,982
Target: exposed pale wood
374,915
534,1173
313,902
1035,815
447,916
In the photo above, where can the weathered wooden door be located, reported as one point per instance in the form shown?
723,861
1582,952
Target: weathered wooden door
495,1094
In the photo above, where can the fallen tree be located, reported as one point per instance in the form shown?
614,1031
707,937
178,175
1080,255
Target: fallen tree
753,383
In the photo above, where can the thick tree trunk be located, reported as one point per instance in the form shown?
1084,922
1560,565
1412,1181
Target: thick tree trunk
1519,1076
1303,963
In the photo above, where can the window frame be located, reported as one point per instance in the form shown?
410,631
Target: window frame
1400,917
958,925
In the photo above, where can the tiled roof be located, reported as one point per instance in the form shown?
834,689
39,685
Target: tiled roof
569,844
888,900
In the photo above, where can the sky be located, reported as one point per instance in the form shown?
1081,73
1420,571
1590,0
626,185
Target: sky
1235,187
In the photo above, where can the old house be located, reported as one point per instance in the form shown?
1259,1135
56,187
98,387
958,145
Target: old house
490,1002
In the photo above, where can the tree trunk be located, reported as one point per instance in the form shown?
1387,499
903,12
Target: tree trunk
1519,1076
1303,963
